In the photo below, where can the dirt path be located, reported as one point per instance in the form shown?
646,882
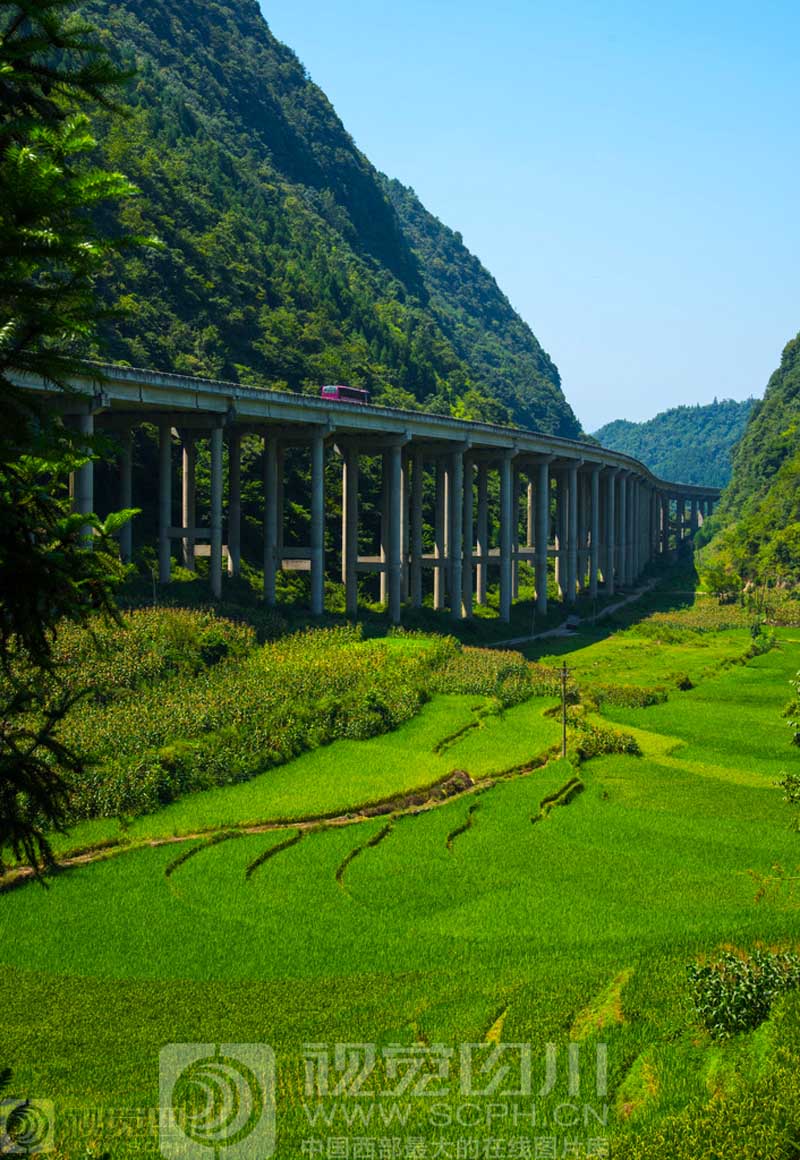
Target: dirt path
572,622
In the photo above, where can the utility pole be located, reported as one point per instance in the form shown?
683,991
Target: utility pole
564,675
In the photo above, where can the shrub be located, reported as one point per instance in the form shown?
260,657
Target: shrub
629,696
735,991
592,739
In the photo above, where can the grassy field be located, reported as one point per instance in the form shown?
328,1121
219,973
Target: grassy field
506,915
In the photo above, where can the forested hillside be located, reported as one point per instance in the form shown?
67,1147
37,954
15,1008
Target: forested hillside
755,534
287,260
686,444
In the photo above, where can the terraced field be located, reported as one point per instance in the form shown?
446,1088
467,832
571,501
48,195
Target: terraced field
542,903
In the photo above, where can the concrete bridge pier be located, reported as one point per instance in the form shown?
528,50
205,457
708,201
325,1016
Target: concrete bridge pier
572,531
610,566
234,503
594,532
482,533
126,493
395,560
350,474
417,491
468,513
542,534
456,538
188,497
164,501
622,541
317,524
215,568
439,545
506,532
271,516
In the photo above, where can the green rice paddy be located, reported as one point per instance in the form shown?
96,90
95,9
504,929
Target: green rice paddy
483,919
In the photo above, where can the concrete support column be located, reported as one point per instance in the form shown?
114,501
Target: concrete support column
622,539
530,515
126,496
483,532
594,532
234,503
562,505
506,535
439,538
467,524
611,533
542,535
395,561
693,517
216,513
663,504
515,536
271,495
281,454
164,501
572,533
188,497
405,529
317,525
456,533
417,480
448,556
350,530
630,554
82,481
384,529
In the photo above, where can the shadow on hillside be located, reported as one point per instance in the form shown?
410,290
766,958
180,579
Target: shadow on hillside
676,586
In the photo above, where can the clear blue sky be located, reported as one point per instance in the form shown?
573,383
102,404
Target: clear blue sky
629,172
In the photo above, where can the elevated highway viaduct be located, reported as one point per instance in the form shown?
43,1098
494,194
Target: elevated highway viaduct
600,515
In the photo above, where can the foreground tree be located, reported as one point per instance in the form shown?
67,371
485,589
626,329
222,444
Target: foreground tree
51,251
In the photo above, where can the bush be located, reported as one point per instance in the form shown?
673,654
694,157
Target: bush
735,991
148,645
591,739
629,696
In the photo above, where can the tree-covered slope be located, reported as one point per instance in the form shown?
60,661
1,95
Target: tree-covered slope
287,260
685,444
755,533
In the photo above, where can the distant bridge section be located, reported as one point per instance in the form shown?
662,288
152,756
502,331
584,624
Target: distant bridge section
600,515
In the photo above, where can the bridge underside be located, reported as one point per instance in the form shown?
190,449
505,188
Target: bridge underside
600,516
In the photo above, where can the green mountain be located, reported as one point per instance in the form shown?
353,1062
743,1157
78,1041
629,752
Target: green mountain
686,444
755,533
288,260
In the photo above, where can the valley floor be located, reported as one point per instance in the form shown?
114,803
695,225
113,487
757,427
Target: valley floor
477,949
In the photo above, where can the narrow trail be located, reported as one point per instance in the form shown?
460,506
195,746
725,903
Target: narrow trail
567,626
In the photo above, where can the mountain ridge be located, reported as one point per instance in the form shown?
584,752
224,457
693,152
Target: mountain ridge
288,259
687,444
